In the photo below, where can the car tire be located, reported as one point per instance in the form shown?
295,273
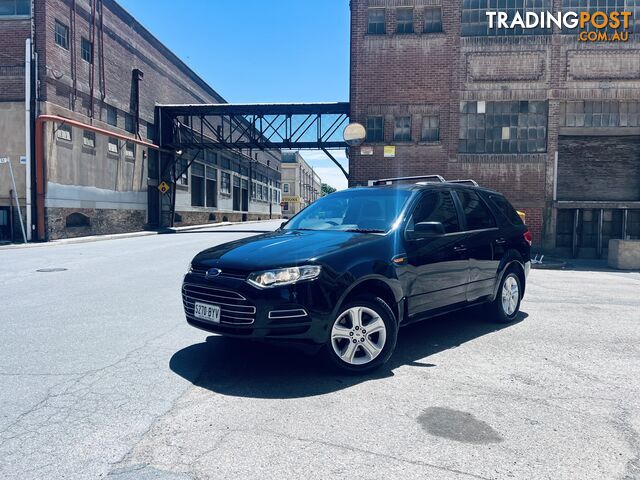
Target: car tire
351,348
506,306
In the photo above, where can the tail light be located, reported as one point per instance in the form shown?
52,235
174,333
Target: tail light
528,237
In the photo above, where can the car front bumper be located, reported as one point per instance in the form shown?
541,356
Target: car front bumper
299,313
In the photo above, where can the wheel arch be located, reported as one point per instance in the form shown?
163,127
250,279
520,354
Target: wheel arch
378,286
513,260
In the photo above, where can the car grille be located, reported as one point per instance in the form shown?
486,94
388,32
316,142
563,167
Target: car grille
234,308
200,271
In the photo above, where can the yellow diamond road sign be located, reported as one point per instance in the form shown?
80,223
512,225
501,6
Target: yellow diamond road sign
164,187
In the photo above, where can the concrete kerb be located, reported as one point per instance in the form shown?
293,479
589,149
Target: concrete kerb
119,236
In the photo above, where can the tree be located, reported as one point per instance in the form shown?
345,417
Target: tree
327,189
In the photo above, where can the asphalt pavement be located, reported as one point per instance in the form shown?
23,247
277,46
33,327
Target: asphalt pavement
101,377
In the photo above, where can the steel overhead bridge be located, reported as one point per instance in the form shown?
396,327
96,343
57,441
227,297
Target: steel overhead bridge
295,126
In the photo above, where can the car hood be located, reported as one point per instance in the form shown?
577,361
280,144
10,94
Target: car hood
281,249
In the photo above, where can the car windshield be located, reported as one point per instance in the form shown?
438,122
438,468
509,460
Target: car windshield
357,210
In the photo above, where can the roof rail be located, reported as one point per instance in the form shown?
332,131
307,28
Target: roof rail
391,181
465,182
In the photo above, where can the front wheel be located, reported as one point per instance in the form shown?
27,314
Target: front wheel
505,308
363,335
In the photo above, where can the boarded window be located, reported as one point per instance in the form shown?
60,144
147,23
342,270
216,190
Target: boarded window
76,220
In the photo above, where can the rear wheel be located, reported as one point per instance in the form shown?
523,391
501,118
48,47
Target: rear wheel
363,335
506,306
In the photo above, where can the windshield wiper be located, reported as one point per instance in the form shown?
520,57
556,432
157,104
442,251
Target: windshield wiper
364,230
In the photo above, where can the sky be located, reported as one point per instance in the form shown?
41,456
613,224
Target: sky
257,51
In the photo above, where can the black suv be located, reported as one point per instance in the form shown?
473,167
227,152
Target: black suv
345,273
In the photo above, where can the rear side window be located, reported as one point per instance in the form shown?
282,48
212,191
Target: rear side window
507,209
477,214
436,207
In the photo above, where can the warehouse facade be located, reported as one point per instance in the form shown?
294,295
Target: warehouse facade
550,120
93,63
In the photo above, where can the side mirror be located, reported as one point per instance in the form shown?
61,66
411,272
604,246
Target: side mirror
429,229
283,224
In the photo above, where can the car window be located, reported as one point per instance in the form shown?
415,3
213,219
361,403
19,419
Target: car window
506,208
436,207
354,209
477,214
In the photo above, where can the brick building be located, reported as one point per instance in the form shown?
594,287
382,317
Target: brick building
551,121
98,66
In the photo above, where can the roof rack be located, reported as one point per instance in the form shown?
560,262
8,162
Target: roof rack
465,182
391,181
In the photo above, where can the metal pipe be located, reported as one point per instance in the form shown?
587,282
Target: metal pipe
555,177
27,134
41,173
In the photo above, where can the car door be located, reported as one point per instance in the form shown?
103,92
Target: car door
482,238
437,271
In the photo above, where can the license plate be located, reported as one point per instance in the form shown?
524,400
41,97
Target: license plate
204,311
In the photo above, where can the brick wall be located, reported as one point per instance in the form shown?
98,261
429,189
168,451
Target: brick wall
13,34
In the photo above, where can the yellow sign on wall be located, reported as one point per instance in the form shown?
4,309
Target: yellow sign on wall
389,151
291,199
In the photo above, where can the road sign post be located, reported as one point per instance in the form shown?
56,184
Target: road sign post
15,193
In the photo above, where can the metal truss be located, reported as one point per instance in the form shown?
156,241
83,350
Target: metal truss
254,126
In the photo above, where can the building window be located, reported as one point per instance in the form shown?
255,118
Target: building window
375,129
432,20
376,21
64,132
503,127
599,114
606,6
404,20
89,139
129,123
151,131
86,50
62,35
210,158
285,206
402,129
15,8
113,147
182,171
285,187
225,186
225,163
197,185
430,128
211,187
476,23
112,116
130,150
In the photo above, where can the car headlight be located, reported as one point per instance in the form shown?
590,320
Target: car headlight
283,276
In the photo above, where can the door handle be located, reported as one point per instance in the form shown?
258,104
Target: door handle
460,249
501,241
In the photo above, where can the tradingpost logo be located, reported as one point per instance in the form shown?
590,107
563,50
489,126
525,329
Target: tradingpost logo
592,27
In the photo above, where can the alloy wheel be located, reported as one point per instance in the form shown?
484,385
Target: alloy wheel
358,335
510,295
